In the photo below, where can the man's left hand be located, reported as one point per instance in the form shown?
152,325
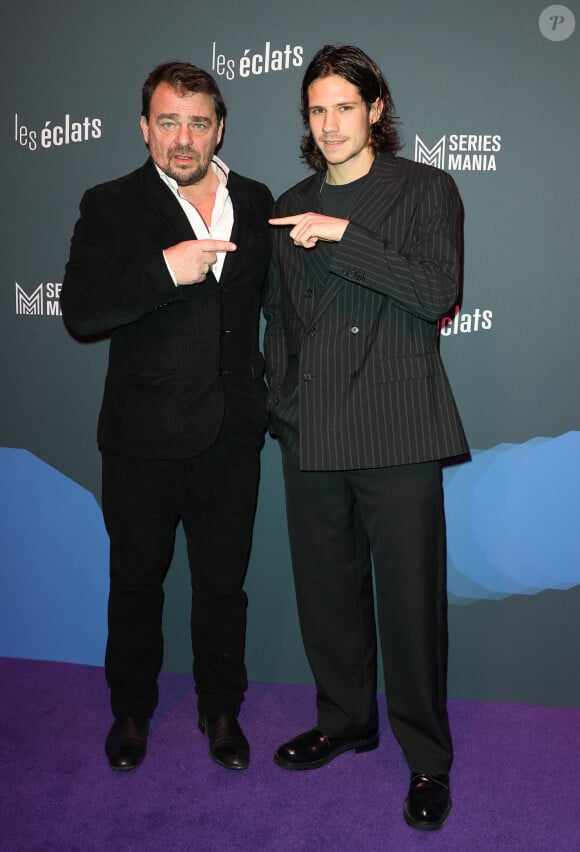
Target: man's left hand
308,228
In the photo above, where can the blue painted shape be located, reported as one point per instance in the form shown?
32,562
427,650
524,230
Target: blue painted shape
54,563
512,519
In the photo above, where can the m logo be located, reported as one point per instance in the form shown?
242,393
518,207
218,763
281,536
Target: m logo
434,156
31,305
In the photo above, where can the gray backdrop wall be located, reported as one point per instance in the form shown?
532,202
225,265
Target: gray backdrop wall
487,91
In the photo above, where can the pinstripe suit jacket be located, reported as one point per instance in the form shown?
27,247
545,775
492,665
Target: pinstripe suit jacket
352,355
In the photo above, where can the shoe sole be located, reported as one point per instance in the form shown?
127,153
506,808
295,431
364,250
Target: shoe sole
126,768
362,746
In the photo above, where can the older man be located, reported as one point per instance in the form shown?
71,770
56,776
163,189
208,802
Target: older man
169,261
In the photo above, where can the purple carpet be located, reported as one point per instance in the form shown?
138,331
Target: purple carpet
514,783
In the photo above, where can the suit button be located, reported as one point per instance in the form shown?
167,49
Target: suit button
308,294
312,332
353,374
225,331
307,377
224,372
355,329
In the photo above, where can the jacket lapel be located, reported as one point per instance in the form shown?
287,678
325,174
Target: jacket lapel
166,205
316,262
370,208
239,203
379,193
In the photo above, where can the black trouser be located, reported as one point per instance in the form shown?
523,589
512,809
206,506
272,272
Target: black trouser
336,520
214,495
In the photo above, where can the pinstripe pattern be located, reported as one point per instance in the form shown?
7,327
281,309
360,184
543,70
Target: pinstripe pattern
355,375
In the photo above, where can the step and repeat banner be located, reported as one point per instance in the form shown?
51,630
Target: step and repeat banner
488,92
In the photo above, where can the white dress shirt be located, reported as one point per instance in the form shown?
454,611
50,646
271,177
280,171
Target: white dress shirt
222,217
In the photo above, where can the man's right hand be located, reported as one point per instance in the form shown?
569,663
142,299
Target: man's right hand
190,260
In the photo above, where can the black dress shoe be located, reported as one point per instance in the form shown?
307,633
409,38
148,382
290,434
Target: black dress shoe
429,802
227,744
313,749
126,742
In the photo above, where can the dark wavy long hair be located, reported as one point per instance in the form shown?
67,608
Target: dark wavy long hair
356,67
182,77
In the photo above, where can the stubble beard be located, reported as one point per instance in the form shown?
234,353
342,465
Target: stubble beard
185,177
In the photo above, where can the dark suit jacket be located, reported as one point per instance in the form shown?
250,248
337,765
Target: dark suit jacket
178,355
352,359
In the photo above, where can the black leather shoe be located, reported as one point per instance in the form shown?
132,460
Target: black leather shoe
227,744
313,749
126,742
429,802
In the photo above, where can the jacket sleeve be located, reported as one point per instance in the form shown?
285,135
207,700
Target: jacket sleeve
422,277
110,281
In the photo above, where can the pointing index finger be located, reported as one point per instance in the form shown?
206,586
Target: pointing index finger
286,220
217,245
